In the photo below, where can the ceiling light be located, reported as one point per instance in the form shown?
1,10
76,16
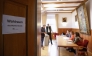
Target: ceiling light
50,8
41,8
58,0
63,3
50,5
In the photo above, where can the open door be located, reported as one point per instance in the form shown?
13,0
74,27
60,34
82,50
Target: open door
15,43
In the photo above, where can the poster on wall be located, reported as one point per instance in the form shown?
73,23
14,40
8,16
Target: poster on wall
83,20
64,19
13,24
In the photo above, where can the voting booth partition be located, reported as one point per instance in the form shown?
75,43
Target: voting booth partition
46,40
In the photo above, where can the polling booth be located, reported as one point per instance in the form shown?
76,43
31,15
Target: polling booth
46,40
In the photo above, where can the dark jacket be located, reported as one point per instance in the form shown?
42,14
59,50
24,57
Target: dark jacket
47,29
42,30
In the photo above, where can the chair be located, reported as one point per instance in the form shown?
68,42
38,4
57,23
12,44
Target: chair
83,49
55,34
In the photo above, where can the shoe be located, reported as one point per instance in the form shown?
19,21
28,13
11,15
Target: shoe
43,48
67,49
70,51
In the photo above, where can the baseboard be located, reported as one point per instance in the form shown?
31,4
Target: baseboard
89,53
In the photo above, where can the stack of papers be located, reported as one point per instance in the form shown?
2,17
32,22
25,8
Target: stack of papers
69,41
66,37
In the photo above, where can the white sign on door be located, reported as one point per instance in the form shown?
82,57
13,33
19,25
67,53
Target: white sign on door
13,24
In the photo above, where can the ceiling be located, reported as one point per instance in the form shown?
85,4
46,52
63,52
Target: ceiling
60,5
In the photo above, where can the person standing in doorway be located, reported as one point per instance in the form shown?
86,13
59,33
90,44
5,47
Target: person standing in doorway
48,30
42,36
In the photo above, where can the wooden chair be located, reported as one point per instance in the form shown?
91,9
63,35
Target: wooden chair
83,49
55,35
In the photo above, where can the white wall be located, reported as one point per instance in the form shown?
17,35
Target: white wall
89,11
68,24
74,24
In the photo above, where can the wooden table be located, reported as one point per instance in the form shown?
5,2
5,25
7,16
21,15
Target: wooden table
63,41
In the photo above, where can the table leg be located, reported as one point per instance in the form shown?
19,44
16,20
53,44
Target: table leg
76,51
59,51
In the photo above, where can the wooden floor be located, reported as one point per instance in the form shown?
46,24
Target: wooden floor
52,50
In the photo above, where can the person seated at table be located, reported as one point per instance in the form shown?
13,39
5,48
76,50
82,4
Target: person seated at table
63,33
68,34
71,38
77,40
72,35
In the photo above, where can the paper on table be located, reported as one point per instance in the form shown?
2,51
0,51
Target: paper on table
69,42
66,37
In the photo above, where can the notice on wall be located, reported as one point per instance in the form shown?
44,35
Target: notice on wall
13,24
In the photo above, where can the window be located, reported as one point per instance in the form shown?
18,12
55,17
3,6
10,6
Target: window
52,22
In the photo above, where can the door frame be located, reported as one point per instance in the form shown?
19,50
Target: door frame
1,36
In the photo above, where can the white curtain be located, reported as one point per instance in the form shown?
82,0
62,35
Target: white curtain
56,17
43,19
52,22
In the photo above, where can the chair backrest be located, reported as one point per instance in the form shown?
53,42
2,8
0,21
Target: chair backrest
55,34
85,43
80,43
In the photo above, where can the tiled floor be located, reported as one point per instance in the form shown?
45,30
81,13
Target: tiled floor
52,50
